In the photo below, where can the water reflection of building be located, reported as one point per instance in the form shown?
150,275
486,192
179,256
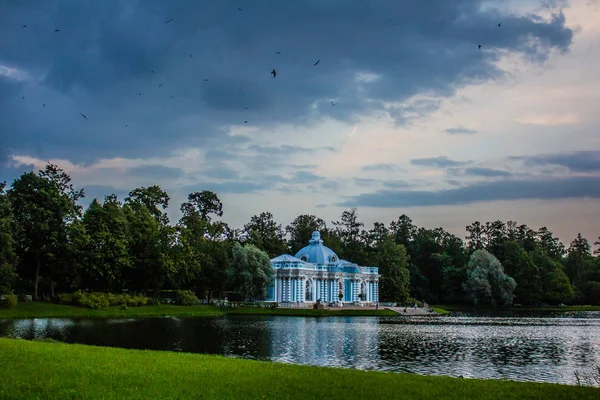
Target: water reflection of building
316,272
333,341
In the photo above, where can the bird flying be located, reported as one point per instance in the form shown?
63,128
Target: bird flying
126,126
83,115
499,24
161,85
171,97
153,71
139,94
206,80
44,104
239,9
166,22
24,26
278,52
479,46
274,73
56,30
245,122
315,64
333,104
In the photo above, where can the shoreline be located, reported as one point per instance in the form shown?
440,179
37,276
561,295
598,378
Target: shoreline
51,310
124,373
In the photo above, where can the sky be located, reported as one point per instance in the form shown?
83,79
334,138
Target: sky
403,114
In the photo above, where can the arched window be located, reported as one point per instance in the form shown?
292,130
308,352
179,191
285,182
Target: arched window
304,257
334,258
308,294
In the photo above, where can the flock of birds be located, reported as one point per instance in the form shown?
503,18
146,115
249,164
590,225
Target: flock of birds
273,72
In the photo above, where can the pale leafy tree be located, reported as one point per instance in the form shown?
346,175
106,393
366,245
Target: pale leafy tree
597,243
250,271
486,281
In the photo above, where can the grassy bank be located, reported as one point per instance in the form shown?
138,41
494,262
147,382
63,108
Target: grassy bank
56,371
466,308
309,312
46,310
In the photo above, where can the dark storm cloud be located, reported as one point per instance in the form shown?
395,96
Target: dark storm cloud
581,161
541,188
105,51
438,162
460,131
478,171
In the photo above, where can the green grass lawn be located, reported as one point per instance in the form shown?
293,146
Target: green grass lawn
309,312
46,310
39,370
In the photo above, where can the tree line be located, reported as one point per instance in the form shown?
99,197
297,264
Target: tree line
49,244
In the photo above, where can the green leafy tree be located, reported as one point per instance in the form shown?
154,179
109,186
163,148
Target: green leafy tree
43,205
264,233
394,283
578,256
300,230
403,230
495,233
550,245
8,257
348,230
476,238
518,264
486,281
153,198
555,284
107,256
250,271
150,240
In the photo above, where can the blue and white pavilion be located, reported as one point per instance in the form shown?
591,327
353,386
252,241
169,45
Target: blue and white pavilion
316,272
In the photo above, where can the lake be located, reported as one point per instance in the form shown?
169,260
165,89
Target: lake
544,349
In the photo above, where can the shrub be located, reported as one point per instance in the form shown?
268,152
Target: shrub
187,298
65,298
123,306
24,298
8,301
114,299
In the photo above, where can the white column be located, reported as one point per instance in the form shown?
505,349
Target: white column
356,289
275,289
302,290
288,289
326,290
376,294
298,289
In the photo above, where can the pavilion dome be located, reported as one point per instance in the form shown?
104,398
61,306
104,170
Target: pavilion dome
316,253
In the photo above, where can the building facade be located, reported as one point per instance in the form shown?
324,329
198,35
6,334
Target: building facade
317,273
